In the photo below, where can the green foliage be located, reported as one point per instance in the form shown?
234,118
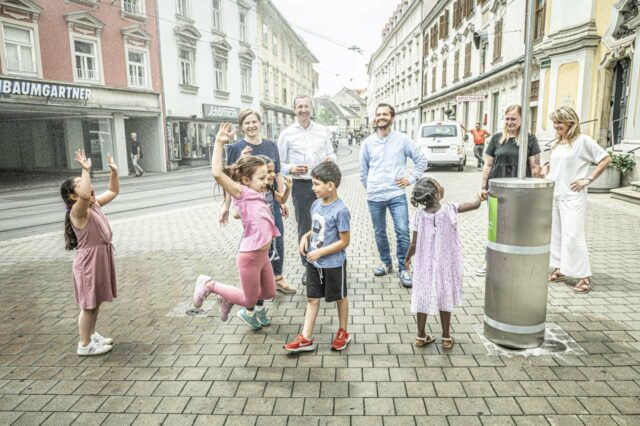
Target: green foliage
326,117
623,162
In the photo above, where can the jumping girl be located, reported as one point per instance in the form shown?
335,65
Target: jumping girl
87,231
437,277
247,187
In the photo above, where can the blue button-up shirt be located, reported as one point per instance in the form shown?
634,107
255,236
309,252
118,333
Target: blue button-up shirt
383,161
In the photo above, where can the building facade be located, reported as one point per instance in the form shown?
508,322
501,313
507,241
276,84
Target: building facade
286,69
395,68
209,70
78,74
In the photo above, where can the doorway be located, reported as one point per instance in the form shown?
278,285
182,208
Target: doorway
619,101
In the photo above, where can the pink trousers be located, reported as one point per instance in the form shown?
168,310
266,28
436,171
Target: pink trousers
256,278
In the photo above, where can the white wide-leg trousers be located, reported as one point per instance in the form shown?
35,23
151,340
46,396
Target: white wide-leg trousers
569,250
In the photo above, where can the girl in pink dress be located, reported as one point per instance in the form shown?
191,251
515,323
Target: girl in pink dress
87,231
247,187
437,275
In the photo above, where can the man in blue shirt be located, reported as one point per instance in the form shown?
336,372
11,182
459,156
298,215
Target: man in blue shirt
383,160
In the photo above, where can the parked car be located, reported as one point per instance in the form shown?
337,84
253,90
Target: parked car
443,143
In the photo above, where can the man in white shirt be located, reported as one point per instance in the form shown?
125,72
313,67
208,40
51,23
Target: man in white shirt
302,146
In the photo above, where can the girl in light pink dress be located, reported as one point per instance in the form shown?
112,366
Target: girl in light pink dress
437,275
88,232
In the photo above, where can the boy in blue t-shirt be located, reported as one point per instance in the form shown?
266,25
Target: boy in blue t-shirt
324,246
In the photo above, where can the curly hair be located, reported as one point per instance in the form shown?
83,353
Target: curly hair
425,192
66,189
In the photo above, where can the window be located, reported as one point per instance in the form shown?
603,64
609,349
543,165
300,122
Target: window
265,35
276,86
483,58
444,24
187,66
467,59
283,47
444,72
217,16
19,49
434,36
274,43
433,79
497,41
467,8
456,65
137,68
457,13
86,60
135,7
243,25
539,20
266,82
220,74
184,8
245,73
425,45
291,56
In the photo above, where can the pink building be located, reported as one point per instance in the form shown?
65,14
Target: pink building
79,74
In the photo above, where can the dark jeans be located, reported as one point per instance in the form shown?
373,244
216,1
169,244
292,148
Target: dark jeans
276,264
477,152
399,209
302,196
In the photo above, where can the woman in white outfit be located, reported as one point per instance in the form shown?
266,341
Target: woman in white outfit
571,156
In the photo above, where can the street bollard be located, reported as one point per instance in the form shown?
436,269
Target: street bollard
518,244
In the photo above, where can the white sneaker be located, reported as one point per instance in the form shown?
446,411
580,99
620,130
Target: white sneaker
97,337
93,348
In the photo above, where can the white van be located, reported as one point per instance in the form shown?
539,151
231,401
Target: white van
443,143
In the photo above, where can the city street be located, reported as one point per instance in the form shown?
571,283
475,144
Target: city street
174,368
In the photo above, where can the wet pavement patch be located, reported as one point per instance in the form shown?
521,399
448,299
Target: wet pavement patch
556,342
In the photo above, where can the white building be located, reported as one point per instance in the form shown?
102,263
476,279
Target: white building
209,71
395,67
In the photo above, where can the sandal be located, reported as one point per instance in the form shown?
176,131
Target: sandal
556,276
583,286
424,341
286,289
447,342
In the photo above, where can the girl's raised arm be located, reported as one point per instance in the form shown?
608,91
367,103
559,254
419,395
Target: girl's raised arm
114,184
83,191
232,187
282,197
473,205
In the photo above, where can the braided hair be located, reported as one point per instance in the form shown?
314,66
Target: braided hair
66,189
425,192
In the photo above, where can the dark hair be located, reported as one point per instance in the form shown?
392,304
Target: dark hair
327,171
424,192
245,167
246,113
66,189
391,109
297,98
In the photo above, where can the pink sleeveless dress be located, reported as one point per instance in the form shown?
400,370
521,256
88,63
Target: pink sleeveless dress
94,273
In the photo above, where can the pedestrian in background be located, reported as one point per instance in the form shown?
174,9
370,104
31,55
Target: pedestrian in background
479,135
438,269
302,146
246,186
383,159
136,154
571,156
501,156
324,247
87,230
250,123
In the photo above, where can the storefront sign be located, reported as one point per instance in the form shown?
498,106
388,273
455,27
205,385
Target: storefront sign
220,111
471,98
47,90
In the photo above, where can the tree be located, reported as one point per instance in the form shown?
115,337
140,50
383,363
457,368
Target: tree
326,117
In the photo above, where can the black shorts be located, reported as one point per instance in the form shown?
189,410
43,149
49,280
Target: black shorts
330,283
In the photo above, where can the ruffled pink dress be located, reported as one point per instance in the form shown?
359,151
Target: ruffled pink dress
437,264
94,272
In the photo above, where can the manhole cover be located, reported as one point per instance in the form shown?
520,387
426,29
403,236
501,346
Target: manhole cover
194,311
554,346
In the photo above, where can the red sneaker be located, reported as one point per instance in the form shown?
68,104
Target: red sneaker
300,345
341,341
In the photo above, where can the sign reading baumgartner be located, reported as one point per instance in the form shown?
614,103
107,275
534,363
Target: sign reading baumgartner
47,90
220,111
470,98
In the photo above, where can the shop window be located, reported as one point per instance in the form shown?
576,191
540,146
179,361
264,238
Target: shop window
98,142
134,7
194,139
245,72
187,77
19,49
243,24
217,16
86,60
137,63
184,8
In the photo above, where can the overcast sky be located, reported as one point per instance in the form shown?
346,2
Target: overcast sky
349,22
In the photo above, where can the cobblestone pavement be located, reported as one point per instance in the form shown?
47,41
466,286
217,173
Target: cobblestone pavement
167,367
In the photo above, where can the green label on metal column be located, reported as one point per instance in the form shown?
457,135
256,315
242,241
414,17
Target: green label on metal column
493,219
